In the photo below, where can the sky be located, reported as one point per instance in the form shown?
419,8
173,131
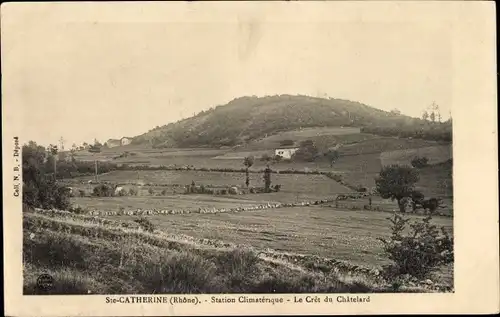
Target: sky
85,71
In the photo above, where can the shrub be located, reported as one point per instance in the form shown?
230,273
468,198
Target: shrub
102,190
361,189
163,192
145,224
418,253
122,192
81,192
277,188
132,192
431,204
420,162
267,179
151,191
77,210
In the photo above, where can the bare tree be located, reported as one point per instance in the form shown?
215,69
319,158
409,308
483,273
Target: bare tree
425,115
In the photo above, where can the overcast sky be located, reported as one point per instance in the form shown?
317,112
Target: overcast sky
82,72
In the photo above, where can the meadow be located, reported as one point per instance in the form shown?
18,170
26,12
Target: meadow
435,154
89,255
347,235
305,185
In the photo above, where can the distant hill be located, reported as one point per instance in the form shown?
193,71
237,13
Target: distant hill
249,118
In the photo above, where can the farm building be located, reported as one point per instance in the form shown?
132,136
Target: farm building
125,140
286,153
113,143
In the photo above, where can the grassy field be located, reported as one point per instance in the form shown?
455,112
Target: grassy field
384,144
435,154
312,185
88,255
437,180
321,231
335,134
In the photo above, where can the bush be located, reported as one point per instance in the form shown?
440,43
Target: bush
163,192
420,252
77,210
81,192
277,188
420,162
132,192
151,191
361,189
145,224
122,192
102,190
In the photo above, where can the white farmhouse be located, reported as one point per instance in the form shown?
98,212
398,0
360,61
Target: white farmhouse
125,141
286,153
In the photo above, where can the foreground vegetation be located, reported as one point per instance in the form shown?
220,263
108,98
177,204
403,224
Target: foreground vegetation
87,255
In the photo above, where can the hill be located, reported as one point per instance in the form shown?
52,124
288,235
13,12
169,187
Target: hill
250,118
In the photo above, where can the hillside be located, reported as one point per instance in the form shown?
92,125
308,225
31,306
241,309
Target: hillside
249,118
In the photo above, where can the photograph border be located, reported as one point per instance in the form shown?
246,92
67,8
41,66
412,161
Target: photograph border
473,31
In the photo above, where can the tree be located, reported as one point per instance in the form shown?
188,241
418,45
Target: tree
396,182
248,162
73,152
38,189
267,179
425,116
333,156
433,116
52,159
419,162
